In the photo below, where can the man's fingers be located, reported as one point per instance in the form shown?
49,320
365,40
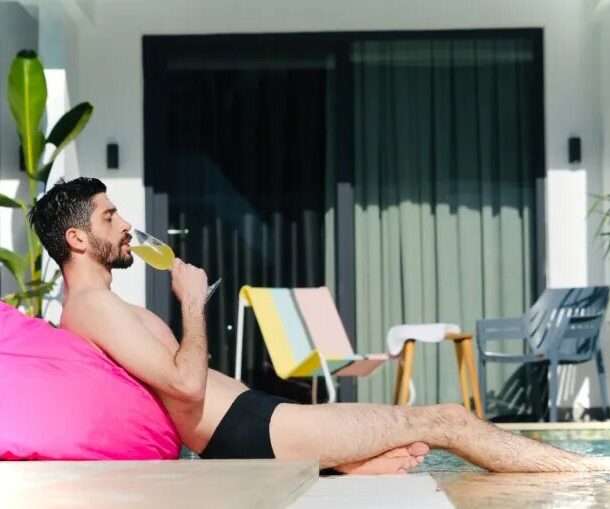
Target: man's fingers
395,453
394,461
414,449
418,449
384,465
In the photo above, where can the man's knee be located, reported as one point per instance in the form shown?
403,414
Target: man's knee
439,425
452,413
452,420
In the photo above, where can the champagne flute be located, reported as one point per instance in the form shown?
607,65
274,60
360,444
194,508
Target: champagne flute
159,255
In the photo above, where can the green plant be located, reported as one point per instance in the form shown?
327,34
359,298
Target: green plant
601,208
27,97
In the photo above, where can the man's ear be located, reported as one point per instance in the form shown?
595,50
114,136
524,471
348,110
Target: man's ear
76,239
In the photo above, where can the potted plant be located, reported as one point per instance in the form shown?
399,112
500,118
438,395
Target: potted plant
27,97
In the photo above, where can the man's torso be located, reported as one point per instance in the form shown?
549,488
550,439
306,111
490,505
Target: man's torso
195,427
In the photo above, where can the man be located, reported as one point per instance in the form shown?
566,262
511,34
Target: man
217,415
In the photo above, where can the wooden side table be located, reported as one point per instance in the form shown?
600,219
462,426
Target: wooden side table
469,381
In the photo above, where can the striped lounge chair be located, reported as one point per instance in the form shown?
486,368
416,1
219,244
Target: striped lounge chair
303,334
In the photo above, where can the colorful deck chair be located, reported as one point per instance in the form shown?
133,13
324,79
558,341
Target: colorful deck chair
304,335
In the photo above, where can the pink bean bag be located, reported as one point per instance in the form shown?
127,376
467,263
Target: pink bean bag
63,399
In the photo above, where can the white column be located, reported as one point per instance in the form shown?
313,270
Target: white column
567,228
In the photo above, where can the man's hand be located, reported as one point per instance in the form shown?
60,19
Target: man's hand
189,283
394,461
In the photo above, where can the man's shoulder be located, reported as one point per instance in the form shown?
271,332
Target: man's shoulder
90,300
92,296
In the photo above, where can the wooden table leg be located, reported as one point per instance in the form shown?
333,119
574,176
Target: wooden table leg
399,375
408,353
459,351
474,379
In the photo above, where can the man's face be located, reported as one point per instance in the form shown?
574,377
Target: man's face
109,236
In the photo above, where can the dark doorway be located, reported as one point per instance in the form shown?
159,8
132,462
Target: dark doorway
239,154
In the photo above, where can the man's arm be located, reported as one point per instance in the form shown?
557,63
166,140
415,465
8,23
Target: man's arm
110,323
191,358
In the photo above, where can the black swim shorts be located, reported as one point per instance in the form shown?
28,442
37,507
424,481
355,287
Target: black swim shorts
243,433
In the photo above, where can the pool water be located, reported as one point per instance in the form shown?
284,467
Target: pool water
469,487
441,461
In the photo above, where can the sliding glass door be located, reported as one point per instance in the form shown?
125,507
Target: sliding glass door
399,169
240,158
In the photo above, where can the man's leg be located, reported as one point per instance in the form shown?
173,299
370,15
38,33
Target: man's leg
240,428
344,433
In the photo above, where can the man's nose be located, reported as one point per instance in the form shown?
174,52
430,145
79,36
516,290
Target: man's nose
126,225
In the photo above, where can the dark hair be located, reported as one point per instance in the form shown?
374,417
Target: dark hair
65,205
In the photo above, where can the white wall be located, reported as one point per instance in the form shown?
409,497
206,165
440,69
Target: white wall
109,70
105,37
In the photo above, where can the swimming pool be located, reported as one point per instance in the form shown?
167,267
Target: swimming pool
469,487
592,439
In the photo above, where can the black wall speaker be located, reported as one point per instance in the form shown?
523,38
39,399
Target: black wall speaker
574,155
112,156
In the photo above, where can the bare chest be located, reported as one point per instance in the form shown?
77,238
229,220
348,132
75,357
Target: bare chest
156,326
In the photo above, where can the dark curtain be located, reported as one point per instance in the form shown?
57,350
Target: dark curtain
449,143
246,179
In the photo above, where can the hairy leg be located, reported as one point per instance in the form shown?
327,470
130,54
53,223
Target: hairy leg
346,433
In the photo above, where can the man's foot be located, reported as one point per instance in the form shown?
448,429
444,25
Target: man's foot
394,461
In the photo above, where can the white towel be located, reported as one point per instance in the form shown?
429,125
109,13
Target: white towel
426,332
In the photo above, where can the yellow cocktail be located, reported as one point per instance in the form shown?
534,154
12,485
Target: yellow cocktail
159,255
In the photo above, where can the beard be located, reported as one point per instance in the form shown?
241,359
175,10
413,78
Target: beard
108,255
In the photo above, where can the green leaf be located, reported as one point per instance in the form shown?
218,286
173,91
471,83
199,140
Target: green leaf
15,264
36,244
12,300
37,291
36,251
602,223
27,97
598,199
34,292
14,203
55,277
69,126
43,174
38,144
